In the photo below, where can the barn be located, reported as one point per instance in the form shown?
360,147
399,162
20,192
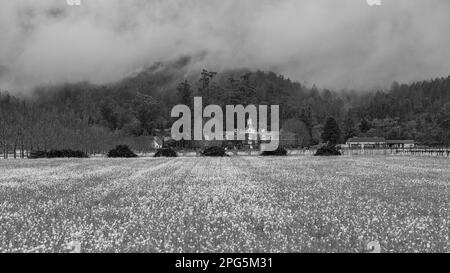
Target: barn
366,142
400,144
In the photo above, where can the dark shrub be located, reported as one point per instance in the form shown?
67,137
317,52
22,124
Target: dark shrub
37,154
166,152
170,143
280,151
121,151
328,151
214,151
78,154
66,153
58,154
55,154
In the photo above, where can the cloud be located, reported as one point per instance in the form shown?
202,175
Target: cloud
335,44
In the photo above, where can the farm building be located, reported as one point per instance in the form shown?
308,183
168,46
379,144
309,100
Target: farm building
378,142
401,144
157,143
253,138
366,142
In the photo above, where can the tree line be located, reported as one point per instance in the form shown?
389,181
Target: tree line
95,118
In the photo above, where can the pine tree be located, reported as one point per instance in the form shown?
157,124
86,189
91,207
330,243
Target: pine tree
205,89
331,132
185,92
364,126
349,128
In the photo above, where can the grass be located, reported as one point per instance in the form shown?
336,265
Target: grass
235,204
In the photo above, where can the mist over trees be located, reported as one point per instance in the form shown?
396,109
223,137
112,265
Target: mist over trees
95,118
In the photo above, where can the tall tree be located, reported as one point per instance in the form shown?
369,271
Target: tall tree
364,126
146,110
349,128
205,88
185,92
331,132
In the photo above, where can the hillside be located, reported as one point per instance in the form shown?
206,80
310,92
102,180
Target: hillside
71,114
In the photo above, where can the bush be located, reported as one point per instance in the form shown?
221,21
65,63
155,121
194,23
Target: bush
58,154
121,151
66,153
166,152
214,151
328,151
280,151
37,154
170,143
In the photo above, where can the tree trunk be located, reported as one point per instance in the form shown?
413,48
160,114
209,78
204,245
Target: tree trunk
15,149
22,155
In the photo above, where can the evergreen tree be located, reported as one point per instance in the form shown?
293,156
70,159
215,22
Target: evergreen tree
331,132
146,110
364,126
205,88
349,128
185,93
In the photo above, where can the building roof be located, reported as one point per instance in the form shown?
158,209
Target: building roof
158,141
366,139
407,141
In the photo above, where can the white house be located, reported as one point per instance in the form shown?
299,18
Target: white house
366,142
402,144
156,143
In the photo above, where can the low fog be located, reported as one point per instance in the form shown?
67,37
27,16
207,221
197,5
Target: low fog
334,44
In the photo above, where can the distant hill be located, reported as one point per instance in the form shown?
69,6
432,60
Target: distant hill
140,104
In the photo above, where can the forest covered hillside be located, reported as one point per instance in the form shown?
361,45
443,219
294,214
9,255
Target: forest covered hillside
82,114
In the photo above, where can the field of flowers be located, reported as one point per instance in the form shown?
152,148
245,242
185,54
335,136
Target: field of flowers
235,204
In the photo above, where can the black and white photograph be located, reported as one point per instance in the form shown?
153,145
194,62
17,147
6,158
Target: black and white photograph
231,127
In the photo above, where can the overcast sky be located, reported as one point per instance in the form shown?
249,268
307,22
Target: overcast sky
335,44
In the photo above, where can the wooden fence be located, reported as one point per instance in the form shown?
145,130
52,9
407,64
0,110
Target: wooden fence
442,152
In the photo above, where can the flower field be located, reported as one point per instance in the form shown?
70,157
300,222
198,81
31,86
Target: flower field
234,204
